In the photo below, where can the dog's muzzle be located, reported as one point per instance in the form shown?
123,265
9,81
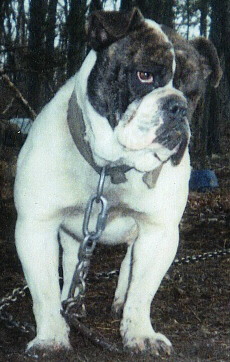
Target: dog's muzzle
156,125
174,132
175,108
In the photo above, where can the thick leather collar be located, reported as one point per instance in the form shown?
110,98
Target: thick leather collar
117,173
77,130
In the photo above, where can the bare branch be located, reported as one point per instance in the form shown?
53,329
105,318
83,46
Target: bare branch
18,94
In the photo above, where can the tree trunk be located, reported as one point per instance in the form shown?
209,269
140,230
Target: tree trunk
76,35
20,25
160,11
95,5
203,6
188,12
36,49
226,38
213,112
50,56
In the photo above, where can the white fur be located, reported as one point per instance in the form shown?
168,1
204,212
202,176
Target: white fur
53,184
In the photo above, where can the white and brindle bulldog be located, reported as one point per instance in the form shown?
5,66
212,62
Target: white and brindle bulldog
128,108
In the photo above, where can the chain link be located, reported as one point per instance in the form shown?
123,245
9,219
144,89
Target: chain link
8,318
188,259
201,257
77,287
9,298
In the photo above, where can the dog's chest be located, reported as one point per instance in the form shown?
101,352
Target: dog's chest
123,210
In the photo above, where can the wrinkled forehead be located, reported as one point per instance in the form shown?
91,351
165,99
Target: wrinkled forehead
154,48
157,30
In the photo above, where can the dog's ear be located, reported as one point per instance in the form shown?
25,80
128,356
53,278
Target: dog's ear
209,59
105,27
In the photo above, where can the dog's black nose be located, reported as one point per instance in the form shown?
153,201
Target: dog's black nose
175,107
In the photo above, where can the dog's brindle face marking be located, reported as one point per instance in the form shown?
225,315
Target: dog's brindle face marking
113,84
196,60
141,51
188,77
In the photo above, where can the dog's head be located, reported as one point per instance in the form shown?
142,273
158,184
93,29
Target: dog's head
146,81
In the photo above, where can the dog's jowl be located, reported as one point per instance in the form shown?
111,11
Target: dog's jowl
128,108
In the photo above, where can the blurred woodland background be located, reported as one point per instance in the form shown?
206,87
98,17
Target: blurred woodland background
42,43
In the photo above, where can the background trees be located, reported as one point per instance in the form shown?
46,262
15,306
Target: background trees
42,43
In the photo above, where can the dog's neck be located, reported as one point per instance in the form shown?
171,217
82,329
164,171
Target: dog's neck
77,129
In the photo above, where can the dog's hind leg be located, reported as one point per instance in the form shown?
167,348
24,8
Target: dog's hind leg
123,283
38,249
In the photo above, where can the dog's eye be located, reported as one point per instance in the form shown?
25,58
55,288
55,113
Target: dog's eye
145,77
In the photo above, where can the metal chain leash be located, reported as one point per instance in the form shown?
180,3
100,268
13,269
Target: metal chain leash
8,318
188,259
201,257
77,288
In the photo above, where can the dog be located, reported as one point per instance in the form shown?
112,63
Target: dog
128,108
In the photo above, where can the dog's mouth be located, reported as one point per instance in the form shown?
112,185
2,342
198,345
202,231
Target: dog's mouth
136,135
151,132
136,130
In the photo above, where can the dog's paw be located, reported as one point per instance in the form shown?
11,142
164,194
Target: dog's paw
39,348
49,353
141,342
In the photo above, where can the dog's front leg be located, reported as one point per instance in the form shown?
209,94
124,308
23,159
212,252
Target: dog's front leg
153,253
38,249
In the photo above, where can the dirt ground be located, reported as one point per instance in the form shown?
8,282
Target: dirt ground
192,306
